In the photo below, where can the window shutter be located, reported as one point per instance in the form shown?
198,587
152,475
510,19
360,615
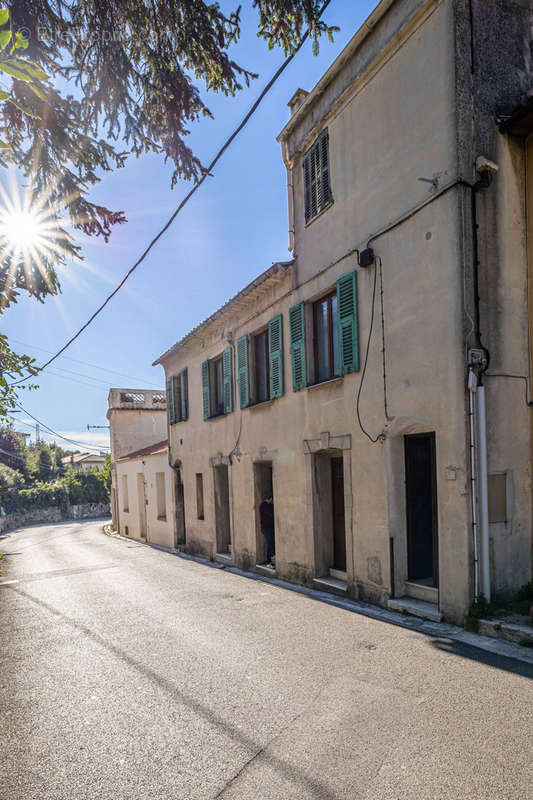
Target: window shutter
206,399
297,332
307,186
325,190
347,323
184,394
275,355
243,375
227,365
170,402
176,392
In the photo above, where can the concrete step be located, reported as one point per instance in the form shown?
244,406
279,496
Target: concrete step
511,632
223,558
417,608
267,572
333,585
422,592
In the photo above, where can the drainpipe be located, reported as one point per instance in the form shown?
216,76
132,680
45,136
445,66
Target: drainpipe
483,492
472,389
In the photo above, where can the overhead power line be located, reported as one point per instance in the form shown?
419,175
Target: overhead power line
66,439
208,172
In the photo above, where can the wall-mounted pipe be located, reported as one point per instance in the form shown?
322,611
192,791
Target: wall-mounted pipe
483,492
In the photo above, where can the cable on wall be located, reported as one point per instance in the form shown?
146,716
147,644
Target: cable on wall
380,437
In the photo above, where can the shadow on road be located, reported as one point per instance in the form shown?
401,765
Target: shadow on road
484,657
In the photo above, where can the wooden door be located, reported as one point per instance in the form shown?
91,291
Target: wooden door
339,528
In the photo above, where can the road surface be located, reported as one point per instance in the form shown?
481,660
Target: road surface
126,672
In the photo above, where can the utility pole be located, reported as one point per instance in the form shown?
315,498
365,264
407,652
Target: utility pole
37,433
89,427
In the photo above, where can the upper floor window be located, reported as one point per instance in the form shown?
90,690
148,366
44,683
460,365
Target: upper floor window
178,397
324,335
260,364
217,385
317,185
326,338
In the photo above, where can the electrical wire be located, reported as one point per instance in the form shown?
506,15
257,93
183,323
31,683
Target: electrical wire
516,377
55,433
207,173
380,436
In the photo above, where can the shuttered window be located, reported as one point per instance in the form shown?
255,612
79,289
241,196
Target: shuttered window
243,376
317,183
297,334
217,385
275,356
348,323
178,397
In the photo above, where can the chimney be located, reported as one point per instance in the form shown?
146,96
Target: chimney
296,100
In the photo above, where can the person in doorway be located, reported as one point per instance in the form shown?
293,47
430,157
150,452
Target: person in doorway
266,518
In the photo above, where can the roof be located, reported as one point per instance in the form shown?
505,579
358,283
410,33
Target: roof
152,449
77,458
344,56
279,266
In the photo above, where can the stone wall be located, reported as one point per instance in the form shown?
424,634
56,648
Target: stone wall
44,515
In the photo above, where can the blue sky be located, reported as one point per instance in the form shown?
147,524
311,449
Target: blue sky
233,229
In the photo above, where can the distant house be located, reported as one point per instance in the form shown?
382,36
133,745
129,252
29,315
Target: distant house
84,461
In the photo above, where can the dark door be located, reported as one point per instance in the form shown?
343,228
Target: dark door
421,501
222,515
339,530
180,508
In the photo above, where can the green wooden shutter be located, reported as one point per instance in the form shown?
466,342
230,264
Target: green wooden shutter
325,188
227,364
243,375
176,391
297,332
184,394
206,398
275,355
348,323
171,408
307,186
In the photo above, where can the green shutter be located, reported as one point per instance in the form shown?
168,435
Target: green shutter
347,323
171,407
205,390
227,364
176,393
243,376
184,394
297,332
275,355
307,186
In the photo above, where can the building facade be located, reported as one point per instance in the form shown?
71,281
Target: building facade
143,483
85,461
378,382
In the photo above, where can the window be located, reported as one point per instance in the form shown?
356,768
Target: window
326,338
317,187
199,495
217,385
260,364
334,346
125,499
178,397
262,387
161,495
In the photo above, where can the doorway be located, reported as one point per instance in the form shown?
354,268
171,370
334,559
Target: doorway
337,510
222,509
180,507
262,490
421,508
142,505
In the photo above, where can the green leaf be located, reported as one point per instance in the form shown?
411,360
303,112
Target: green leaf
5,38
25,109
38,92
4,15
4,95
3,145
23,70
21,43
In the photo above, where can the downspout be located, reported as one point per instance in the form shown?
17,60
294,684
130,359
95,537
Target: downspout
472,389
176,480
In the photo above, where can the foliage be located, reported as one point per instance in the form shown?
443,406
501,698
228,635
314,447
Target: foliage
13,450
12,366
9,478
525,592
106,474
130,67
75,488
85,486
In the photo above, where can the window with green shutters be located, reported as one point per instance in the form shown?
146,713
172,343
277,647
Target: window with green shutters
227,365
317,183
178,397
348,323
206,390
243,375
217,385
275,355
297,335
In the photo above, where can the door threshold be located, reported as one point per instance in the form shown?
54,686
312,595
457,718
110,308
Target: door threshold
223,558
416,608
339,574
263,569
422,591
327,584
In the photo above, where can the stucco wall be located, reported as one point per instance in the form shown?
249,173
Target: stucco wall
159,531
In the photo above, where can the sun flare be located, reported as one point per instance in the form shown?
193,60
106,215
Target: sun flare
21,230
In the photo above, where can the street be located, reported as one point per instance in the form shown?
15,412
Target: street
127,672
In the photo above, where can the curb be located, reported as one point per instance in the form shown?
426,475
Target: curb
454,633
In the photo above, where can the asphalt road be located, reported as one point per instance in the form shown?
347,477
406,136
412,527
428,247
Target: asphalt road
126,672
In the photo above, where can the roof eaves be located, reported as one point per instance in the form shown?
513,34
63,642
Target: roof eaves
268,273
